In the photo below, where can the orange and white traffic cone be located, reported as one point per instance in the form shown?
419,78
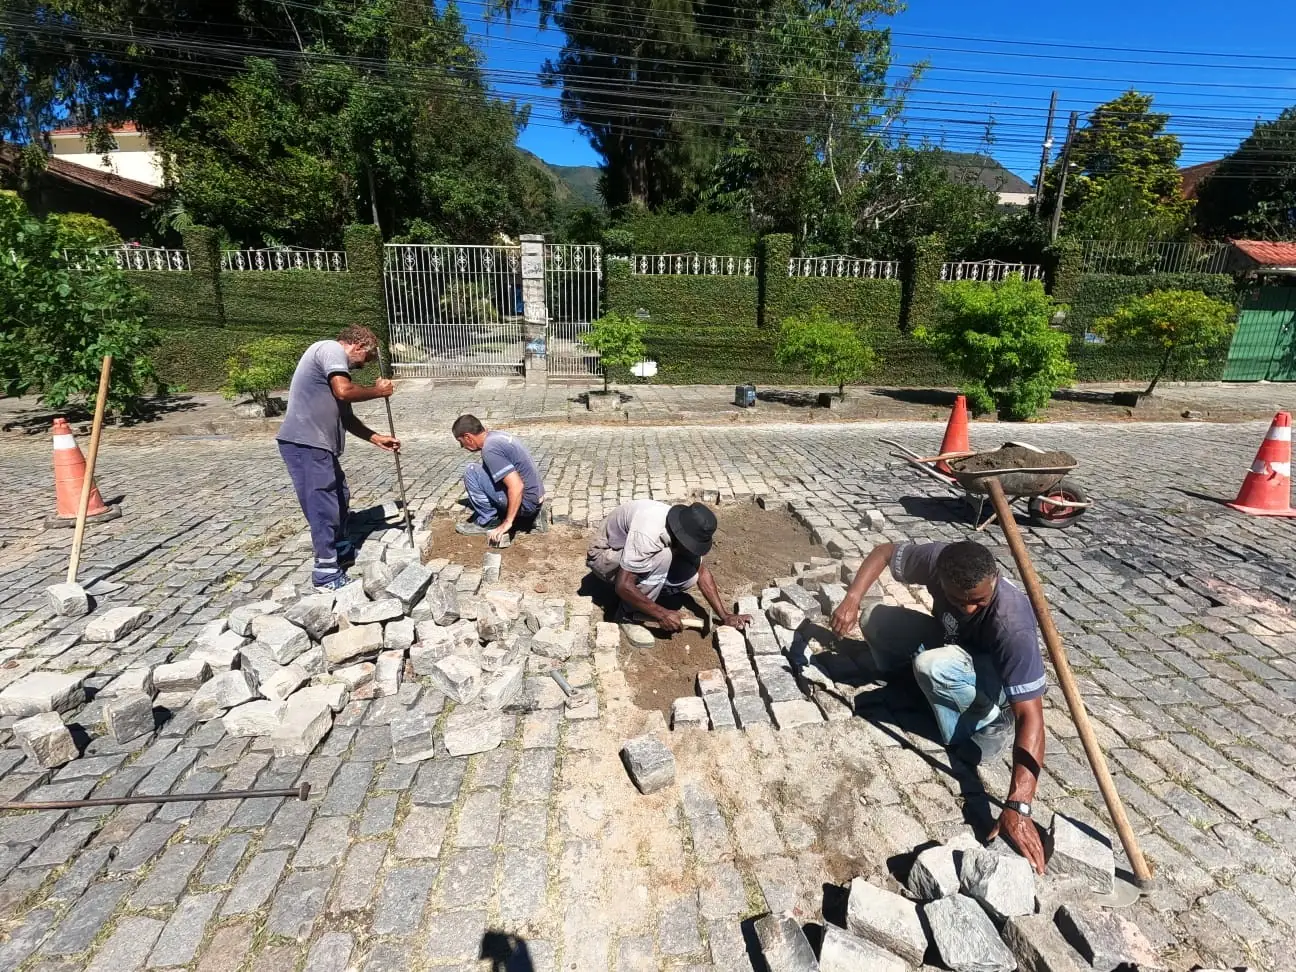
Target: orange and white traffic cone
1266,491
956,433
69,479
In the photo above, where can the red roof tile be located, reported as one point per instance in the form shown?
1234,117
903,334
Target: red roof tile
1268,254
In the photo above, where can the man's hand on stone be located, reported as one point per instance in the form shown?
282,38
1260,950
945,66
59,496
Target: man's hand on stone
1021,831
846,618
670,621
739,621
499,533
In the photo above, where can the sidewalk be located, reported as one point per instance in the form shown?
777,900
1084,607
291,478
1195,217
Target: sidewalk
423,402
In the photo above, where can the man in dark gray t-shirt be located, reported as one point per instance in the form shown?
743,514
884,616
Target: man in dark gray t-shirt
312,436
505,492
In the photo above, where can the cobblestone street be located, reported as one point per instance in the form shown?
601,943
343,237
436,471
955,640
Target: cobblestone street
1175,610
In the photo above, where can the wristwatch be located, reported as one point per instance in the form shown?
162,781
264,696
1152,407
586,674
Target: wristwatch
1022,808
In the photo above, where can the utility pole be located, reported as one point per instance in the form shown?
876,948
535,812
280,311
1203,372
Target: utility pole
1066,164
1046,151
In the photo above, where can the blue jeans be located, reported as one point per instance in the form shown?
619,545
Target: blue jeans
965,691
322,491
489,502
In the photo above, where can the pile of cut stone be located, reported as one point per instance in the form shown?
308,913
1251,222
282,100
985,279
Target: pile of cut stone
285,667
774,670
978,909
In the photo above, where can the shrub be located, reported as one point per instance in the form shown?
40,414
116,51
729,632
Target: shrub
1184,326
828,349
997,336
60,317
260,367
618,339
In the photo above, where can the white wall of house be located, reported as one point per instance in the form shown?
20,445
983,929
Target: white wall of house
133,158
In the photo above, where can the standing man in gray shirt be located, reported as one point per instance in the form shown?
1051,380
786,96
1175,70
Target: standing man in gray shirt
312,437
505,492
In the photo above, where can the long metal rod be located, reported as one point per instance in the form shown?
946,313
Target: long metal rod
385,371
87,485
301,792
1070,690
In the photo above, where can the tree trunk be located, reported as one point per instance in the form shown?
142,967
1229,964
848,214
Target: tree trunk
1165,363
841,391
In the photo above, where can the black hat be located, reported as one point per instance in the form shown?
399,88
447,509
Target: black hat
692,527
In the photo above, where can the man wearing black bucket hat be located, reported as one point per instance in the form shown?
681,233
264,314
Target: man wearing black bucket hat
647,548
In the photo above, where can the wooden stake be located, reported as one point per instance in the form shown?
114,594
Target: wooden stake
88,485
1079,715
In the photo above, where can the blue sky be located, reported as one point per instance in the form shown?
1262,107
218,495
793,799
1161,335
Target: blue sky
1216,71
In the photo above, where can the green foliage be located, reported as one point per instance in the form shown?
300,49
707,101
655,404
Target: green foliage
618,242
618,339
997,336
921,270
1252,193
682,301
82,229
701,232
1126,180
1180,325
57,323
829,350
260,367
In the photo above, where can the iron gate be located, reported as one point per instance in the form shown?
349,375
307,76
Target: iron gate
454,310
457,311
573,289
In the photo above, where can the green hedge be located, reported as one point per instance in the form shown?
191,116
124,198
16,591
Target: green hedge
921,277
288,301
177,300
728,301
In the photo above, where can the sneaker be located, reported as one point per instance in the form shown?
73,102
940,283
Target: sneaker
337,583
989,742
471,528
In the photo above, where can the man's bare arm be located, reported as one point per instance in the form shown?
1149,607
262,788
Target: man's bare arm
707,585
346,390
846,617
1028,760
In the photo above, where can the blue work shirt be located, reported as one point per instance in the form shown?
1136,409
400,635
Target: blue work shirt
1005,629
502,454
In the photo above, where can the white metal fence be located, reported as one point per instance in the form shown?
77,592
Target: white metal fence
1152,256
691,264
843,266
573,298
129,258
334,261
454,310
990,271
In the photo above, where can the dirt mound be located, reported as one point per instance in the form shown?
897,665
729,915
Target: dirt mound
1013,457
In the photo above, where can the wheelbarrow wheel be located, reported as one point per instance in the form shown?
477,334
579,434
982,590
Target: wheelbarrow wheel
1055,517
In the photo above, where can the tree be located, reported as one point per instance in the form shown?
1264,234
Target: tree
1184,326
618,339
830,350
997,336
369,110
1252,192
62,308
1124,181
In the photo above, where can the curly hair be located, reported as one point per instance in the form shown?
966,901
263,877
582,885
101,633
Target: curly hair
965,564
361,337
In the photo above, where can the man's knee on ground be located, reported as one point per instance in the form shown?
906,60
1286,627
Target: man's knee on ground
941,666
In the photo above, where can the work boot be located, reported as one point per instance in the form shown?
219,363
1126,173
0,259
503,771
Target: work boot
335,584
471,528
543,518
989,742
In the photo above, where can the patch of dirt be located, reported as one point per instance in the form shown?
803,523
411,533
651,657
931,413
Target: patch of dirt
550,563
1013,457
659,675
753,546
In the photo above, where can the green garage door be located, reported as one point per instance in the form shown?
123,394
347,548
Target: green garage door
1264,345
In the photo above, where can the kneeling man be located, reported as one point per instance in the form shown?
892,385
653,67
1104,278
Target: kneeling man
976,659
647,548
505,491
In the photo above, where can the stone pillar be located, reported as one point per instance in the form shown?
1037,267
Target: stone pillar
535,315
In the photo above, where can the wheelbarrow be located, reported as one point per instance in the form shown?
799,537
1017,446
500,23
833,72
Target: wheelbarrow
1052,500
